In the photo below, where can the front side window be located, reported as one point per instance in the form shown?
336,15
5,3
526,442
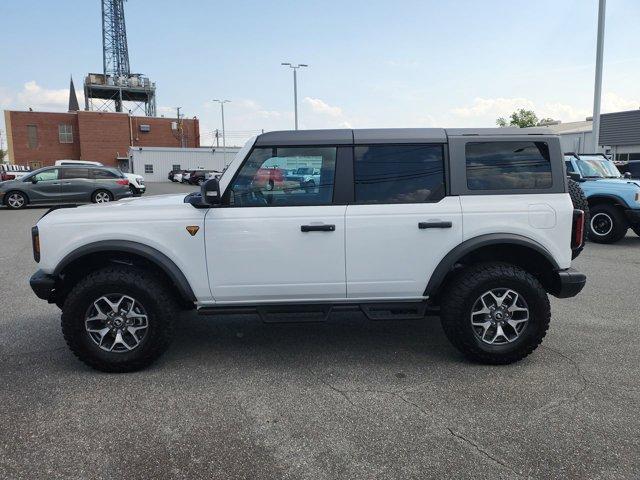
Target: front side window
399,174
569,165
65,133
148,168
514,165
47,175
285,176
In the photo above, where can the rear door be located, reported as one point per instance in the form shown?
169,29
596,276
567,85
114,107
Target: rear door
75,184
278,242
402,223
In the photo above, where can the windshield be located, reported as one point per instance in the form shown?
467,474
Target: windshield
597,167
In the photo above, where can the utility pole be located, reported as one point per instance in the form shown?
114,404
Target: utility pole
597,93
295,87
217,135
224,143
180,132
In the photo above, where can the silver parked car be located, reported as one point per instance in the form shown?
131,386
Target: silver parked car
65,184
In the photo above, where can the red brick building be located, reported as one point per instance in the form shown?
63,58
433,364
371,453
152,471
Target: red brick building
40,138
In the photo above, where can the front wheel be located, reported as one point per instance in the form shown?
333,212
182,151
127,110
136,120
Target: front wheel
15,200
495,313
119,319
607,224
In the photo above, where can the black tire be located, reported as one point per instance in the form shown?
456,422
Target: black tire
607,224
464,290
580,202
95,195
636,230
134,190
154,296
14,193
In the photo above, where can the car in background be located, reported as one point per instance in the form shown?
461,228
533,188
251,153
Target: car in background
630,167
308,177
13,172
67,185
614,198
136,182
198,177
185,176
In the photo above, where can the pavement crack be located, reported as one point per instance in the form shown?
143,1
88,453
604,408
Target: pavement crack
580,374
484,452
340,392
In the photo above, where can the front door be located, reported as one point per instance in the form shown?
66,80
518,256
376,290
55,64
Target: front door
277,238
401,224
45,187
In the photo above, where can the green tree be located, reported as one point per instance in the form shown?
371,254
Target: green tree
520,118
2,155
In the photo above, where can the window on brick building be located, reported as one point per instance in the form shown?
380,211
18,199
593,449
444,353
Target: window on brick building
65,133
148,168
32,136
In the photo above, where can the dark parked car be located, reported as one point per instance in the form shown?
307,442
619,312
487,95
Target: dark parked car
198,177
65,184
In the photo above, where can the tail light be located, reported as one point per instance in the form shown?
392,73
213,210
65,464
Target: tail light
35,243
577,231
122,181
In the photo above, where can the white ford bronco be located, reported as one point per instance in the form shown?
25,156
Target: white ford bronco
474,225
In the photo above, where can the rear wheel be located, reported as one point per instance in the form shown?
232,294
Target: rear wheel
101,196
118,319
15,200
607,224
495,313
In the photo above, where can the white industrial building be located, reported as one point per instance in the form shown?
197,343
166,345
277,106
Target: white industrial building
155,163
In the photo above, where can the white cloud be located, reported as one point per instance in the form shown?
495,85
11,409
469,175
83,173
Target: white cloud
319,106
34,96
612,102
497,107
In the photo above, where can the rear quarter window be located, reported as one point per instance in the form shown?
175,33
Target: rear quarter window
101,174
511,165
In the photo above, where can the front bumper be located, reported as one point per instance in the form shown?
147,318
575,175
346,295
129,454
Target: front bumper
633,216
568,283
43,285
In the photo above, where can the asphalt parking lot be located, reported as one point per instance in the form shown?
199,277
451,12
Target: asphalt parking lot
353,399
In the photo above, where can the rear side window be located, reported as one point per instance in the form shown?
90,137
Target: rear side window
102,174
69,173
508,165
399,174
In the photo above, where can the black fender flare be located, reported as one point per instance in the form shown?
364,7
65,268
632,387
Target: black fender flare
607,196
475,243
126,246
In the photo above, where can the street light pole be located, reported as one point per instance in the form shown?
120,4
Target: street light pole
295,87
224,142
597,93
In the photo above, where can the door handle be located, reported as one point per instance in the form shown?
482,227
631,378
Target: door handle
317,228
434,224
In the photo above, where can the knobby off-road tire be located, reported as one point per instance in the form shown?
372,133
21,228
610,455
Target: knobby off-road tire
580,202
462,295
153,299
607,224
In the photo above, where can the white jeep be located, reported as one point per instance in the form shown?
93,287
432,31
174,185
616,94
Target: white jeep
476,226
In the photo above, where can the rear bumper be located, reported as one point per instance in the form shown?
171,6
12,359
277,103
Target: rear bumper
633,216
43,285
568,283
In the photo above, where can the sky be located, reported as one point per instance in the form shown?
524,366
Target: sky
428,63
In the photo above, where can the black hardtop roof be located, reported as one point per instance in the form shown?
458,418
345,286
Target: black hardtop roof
384,135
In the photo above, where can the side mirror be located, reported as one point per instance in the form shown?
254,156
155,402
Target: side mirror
34,180
575,176
210,192
627,175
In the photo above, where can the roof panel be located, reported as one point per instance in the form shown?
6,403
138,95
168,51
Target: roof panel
498,131
305,137
400,135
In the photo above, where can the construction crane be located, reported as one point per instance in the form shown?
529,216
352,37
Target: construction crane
116,85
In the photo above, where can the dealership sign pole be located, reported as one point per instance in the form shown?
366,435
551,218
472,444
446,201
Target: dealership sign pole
597,94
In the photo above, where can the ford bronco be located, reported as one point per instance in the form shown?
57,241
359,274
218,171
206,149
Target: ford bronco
474,225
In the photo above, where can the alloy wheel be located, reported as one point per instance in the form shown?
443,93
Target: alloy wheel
102,197
116,323
15,200
499,316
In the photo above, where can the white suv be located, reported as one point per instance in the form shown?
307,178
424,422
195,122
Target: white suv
136,182
475,226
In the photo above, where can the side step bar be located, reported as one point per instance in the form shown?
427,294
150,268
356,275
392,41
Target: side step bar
315,313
